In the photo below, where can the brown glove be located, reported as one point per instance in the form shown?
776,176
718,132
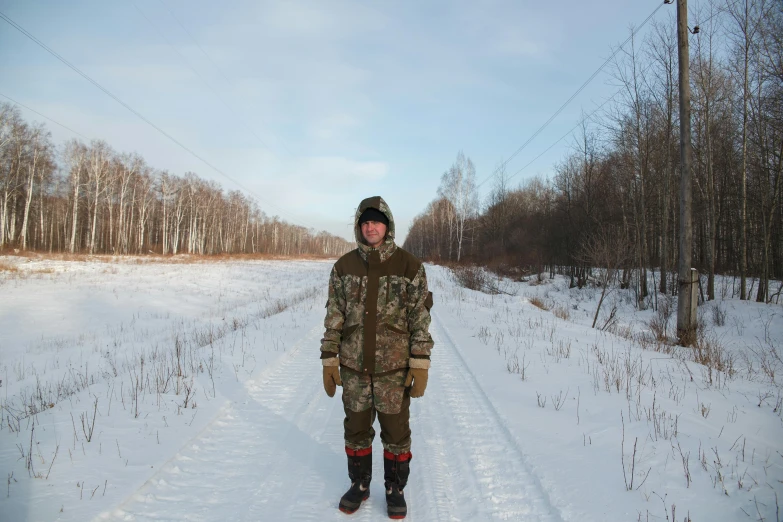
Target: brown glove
418,377
331,375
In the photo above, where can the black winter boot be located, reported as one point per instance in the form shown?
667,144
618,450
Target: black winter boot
396,469
360,473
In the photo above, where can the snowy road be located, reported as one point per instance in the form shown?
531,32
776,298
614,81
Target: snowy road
245,432
279,450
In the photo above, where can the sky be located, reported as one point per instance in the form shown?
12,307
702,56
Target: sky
309,107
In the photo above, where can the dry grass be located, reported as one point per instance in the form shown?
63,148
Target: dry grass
621,330
9,268
561,312
155,258
710,352
197,258
659,323
539,303
12,271
658,327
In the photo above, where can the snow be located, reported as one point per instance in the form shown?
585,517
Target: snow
530,414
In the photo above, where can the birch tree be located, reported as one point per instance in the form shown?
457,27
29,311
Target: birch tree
97,170
458,186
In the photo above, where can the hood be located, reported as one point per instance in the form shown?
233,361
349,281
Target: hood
377,203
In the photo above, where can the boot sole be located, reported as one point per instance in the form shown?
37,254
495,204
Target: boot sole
398,514
351,511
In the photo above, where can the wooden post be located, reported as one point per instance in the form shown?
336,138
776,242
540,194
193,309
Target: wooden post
686,301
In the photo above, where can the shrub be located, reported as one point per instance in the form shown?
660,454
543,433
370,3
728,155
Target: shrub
709,352
718,314
477,278
470,277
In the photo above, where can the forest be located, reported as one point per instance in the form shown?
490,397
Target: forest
613,200
89,198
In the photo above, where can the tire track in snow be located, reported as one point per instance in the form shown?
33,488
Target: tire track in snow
430,467
277,454
245,453
479,472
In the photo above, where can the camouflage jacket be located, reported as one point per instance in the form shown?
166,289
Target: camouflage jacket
377,312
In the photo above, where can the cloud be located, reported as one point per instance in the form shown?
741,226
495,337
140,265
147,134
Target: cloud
512,43
295,185
338,171
333,126
340,94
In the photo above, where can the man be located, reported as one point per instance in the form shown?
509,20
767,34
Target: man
377,347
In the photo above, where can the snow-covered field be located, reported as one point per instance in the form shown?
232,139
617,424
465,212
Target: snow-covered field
134,389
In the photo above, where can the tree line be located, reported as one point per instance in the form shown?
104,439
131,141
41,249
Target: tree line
88,198
618,183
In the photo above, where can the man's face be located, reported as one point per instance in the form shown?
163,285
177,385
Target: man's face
373,232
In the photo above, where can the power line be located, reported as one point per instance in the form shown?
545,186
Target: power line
589,116
43,116
138,114
569,100
220,71
200,77
564,136
720,10
581,121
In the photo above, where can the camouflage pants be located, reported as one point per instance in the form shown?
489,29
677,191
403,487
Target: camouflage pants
364,396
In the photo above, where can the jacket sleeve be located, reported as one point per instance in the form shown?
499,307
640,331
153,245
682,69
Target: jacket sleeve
335,317
419,304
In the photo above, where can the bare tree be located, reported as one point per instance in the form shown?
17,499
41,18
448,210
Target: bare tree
662,47
99,155
8,118
14,159
75,157
744,33
766,115
497,212
458,186
38,148
629,184
710,88
607,251
633,137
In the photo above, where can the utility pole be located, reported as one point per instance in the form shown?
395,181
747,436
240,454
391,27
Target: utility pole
688,277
